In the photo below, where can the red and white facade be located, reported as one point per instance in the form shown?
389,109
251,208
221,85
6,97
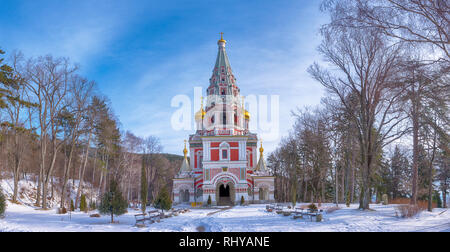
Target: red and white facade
223,152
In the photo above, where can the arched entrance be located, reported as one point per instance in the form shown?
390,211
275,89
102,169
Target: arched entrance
224,191
184,196
225,194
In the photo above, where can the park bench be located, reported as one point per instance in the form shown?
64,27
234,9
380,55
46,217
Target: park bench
152,216
301,213
140,219
155,216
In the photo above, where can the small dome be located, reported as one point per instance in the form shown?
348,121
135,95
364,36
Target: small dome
246,115
200,115
221,40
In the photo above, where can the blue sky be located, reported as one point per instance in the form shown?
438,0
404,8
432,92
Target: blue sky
143,53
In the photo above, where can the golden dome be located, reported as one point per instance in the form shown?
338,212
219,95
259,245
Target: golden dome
200,115
185,151
221,38
261,149
246,114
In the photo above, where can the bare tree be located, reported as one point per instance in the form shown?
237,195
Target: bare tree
416,22
47,80
366,67
80,91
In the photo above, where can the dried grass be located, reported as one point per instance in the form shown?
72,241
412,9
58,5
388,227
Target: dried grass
408,211
332,209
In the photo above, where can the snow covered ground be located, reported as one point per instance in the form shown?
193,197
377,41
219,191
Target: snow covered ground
237,219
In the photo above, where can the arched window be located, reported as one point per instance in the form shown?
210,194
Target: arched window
200,159
224,151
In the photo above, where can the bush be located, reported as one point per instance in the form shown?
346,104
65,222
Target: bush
2,203
83,204
163,200
209,200
62,210
242,200
312,207
437,199
407,211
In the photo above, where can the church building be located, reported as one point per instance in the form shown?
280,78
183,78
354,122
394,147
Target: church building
223,161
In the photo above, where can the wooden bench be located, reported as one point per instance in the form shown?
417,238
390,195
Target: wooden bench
155,216
140,219
308,213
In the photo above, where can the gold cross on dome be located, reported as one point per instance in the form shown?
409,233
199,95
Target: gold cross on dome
221,35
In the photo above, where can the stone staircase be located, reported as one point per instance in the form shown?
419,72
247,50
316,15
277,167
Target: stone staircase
225,201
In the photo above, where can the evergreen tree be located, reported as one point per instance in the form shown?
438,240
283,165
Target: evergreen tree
92,206
113,202
2,203
83,204
163,200
209,202
144,185
437,199
72,206
242,200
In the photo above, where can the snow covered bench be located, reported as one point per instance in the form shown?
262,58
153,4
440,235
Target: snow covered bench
140,219
155,216
300,213
152,216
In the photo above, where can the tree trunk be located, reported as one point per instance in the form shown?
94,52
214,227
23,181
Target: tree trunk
66,175
80,185
415,121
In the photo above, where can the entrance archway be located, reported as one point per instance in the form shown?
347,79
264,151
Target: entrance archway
225,194
184,196
224,191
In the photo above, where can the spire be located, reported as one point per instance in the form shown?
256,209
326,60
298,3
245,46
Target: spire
261,166
185,165
185,150
222,73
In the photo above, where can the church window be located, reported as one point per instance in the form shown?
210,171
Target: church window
200,159
224,150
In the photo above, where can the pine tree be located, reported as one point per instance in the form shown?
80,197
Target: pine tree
113,202
83,204
72,206
242,200
144,185
2,203
163,200
437,199
209,202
